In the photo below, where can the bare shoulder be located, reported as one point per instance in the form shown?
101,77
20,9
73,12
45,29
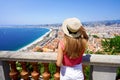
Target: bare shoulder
63,41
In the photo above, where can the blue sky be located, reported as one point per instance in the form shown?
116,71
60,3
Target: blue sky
55,11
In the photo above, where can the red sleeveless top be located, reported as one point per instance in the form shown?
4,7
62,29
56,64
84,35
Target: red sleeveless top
67,61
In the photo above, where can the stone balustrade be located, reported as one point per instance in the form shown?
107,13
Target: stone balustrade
102,67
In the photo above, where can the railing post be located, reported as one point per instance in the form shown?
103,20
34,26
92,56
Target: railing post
13,71
35,74
24,74
104,72
57,74
46,74
4,70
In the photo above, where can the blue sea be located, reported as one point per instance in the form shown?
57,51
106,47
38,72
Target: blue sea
12,39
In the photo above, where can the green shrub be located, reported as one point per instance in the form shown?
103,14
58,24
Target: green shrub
111,45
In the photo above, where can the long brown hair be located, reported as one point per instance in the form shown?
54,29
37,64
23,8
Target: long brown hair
75,46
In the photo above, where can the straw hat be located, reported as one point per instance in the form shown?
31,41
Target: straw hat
71,27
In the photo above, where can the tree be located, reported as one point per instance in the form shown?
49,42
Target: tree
95,36
111,45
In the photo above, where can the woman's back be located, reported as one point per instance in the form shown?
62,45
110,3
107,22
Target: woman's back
70,61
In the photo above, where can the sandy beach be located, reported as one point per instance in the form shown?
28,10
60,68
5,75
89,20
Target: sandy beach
38,41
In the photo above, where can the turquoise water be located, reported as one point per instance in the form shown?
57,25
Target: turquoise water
12,39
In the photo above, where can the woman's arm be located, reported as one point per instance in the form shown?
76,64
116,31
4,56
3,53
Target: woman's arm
59,56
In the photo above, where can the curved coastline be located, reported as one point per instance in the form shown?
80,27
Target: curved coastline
35,42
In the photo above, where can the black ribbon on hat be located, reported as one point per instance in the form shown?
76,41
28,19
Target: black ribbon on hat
70,32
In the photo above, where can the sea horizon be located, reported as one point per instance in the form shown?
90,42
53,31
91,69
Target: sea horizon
111,21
